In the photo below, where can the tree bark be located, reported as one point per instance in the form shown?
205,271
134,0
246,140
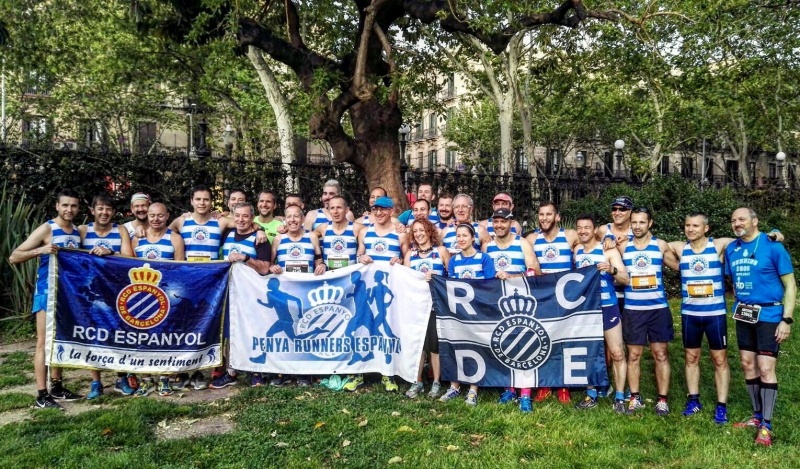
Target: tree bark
278,102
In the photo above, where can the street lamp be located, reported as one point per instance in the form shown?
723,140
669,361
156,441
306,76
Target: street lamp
580,162
781,157
619,146
228,139
403,131
192,151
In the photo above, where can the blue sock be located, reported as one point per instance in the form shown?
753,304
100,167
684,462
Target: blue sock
592,392
619,395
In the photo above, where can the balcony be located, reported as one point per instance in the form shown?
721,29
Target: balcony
447,93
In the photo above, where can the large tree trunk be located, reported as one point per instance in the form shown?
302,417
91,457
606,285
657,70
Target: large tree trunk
278,102
505,110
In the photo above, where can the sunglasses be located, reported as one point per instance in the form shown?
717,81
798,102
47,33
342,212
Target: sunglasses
641,210
619,209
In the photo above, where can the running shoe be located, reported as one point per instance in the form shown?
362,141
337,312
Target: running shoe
627,395
542,394
764,436
47,402
198,381
721,415
304,381
525,405
563,396
605,391
164,388
60,393
635,404
586,403
133,381
415,390
472,398
619,406
277,381
509,395
354,383
436,389
451,394
123,386
224,381
693,406
752,422
662,408
180,381
146,386
256,380
95,390
389,384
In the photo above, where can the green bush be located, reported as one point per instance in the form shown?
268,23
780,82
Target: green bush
17,220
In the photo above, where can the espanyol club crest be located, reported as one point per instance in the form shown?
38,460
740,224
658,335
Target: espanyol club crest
550,253
519,341
235,248
328,313
641,261
142,304
338,245
698,265
425,266
466,273
583,261
200,234
152,253
502,262
102,243
380,246
71,243
295,251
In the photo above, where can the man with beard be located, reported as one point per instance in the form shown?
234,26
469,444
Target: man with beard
140,202
323,215
445,210
512,257
646,317
765,291
502,200
266,215
553,246
41,244
103,238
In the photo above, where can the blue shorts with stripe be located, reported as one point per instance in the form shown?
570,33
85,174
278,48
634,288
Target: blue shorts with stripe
714,327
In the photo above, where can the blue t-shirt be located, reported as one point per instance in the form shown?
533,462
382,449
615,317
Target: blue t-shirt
756,269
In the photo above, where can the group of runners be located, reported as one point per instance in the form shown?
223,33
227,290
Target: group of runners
440,236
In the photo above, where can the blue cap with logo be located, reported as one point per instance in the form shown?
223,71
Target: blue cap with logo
384,202
623,201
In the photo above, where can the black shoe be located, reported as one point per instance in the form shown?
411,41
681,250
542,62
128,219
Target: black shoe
47,402
64,394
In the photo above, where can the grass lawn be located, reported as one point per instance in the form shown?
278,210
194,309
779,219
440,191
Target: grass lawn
313,427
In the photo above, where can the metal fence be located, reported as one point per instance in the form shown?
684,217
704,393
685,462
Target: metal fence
39,173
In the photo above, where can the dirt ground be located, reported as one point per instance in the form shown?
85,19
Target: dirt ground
78,381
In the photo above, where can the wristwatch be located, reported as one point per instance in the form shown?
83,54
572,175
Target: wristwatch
615,271
788,321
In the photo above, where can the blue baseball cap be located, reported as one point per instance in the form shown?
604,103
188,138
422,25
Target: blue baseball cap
384,202
623,201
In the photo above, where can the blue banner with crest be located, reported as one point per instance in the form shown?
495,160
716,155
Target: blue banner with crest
124,314
544,331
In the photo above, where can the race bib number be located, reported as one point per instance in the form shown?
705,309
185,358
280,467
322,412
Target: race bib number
747,313
296,267
700,288
644,281
335,262
198,258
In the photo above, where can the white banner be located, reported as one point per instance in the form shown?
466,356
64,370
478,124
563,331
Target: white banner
359,319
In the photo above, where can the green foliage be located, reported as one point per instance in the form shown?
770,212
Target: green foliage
13,369
670,199
17,220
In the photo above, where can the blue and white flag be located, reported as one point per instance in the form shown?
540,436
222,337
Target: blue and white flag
358,319
124,314
544,331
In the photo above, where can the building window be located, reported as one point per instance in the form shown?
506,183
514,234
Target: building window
732,171
418,131
432,125
419,160
146,136
553,161
91,133
35,128
450,158
663,167
608,162
773,171
432,159
687,167
521,160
